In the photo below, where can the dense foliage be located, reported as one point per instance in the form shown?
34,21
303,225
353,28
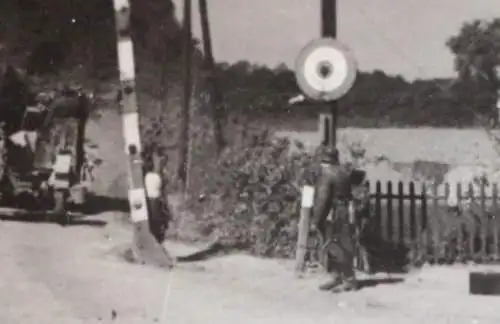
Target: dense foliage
251,197
377,99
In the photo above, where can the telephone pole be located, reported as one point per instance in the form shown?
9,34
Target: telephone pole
182,166
497,88
211,79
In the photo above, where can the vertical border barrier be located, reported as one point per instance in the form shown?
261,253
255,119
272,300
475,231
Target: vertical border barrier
145,246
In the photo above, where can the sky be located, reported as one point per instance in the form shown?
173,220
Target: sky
405,37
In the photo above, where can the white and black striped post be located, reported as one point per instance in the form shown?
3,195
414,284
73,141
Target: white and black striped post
146,248
307,201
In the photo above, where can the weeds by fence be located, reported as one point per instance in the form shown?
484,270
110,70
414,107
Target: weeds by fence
418,217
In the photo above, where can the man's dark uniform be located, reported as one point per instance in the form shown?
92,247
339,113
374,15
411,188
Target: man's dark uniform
333,192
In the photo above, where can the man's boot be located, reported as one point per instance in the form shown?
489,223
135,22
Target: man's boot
332,283
347,284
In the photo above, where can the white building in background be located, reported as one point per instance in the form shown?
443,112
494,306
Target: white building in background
406,145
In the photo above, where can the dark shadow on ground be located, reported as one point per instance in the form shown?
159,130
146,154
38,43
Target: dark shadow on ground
384,256
39,217
367,283
100,204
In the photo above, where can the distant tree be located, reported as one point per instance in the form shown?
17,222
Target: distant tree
477,50
376,100
281,67
477,56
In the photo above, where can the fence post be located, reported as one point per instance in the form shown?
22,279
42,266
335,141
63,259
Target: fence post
460,234
306,204
387,233
378,207
470,226
399,223
435,225
495,222
485,223
446,228
414,223
424,223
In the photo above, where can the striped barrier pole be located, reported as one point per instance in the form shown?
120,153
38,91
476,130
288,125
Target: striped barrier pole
145,247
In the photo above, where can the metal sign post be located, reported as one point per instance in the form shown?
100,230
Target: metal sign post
329,29
325,71
146,249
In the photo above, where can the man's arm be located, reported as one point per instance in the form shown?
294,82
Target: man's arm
322,202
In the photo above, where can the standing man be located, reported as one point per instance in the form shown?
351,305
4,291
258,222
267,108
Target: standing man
159,213
333,193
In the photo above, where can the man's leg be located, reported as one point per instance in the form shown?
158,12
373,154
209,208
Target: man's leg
341,252
334,282
346,269
156,224
333,255
332,268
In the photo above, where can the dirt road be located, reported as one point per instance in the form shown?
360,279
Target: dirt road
73,275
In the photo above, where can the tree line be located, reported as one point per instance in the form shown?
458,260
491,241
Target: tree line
377,99
381,100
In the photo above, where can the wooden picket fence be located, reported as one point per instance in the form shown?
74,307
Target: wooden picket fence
419,219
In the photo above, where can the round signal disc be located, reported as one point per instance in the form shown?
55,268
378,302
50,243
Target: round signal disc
325,69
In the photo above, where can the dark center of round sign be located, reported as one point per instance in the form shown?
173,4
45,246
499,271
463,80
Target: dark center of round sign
325,69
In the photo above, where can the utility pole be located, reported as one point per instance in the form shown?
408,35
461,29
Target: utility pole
497,88
328,121
211,79
182,166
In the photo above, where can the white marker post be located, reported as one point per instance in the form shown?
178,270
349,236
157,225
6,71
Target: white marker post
307,202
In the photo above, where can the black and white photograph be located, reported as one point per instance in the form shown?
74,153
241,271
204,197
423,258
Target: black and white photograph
258,161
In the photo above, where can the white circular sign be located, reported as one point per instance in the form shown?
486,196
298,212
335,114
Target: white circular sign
325,69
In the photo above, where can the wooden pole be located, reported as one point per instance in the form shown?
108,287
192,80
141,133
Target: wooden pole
329,29
307,201
212,82
497,87
182,166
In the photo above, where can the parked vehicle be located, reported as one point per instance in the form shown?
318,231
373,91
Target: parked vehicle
43,160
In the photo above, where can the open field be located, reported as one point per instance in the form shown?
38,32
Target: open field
452,146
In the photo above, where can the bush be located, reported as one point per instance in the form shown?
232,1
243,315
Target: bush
252,197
